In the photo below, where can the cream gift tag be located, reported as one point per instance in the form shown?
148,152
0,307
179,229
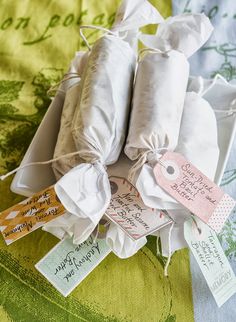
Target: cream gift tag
189,186
127,210
206,248
66,265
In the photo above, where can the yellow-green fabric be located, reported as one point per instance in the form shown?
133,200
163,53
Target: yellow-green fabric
38,41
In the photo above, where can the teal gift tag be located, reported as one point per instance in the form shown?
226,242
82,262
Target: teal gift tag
66,265
206,248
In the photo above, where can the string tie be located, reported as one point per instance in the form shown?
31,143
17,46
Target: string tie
143,157
169,249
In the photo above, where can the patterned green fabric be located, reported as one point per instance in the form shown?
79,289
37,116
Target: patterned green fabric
38,40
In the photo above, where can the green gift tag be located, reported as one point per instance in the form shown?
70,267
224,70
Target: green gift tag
206,248
66,265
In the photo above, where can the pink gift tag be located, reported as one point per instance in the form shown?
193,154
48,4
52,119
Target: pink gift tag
128,211
189,186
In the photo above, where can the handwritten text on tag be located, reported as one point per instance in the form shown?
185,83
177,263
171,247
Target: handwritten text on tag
128,211
30,214
211,259
66,265
189,186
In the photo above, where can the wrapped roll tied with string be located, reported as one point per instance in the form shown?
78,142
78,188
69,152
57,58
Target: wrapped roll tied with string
193,143
160,88
198,142
121,244
159,95
100,120
203,151
205,101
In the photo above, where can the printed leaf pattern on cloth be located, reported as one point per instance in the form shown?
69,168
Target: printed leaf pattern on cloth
222,45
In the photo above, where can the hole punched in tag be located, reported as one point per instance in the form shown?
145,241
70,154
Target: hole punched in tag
170,169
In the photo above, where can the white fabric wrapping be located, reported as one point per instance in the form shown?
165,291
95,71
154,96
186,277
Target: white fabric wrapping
98,129
186,33
65,143
100,122
121,244
132,15
177,240
221,96
158,100
66,225
160,87
197,143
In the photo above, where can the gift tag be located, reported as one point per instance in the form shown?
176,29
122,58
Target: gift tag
66,265
206,248
127,210
189,186
30,214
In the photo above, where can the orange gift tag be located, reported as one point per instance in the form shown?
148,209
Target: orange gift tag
30,214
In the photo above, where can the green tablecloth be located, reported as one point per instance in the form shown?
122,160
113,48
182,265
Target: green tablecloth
38,40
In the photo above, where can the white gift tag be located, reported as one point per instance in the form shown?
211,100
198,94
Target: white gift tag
206,248
127,210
